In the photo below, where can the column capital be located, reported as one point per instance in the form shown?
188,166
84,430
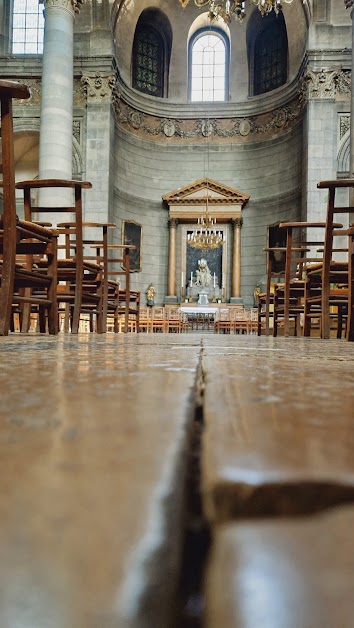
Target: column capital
237,222
71,6
173,223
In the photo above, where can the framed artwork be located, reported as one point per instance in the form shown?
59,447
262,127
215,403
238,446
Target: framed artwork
132,234
277,238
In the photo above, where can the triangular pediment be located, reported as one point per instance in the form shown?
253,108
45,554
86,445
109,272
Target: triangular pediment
195,194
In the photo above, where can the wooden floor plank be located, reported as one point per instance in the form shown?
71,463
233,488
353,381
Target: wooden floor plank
93,440
279,435
295,573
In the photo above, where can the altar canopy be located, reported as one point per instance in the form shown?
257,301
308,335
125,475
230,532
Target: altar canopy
185,206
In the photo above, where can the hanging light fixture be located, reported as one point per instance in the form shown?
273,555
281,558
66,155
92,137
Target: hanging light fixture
228,9
206,235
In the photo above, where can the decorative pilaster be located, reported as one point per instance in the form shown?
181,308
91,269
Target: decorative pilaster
172,256
236,260
55,145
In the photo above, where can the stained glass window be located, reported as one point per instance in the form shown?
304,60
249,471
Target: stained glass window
208,69
148,61
28,27
271,58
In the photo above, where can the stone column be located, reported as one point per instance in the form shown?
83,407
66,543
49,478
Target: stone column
172,256
56,129
100,138
236,261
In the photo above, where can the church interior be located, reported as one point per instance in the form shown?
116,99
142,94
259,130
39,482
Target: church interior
176,314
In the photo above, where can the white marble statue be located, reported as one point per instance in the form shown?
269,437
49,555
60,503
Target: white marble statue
203,274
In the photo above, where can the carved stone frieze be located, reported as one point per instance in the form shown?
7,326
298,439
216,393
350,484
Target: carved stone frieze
98,88
77,130
225,129
329,84
35,98
344,82
344,125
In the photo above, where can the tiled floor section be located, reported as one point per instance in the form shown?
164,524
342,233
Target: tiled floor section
93,441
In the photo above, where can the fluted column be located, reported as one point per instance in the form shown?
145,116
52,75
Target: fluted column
236,259
55,144
172,257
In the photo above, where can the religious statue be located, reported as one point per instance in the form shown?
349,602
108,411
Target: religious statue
150,295
203,274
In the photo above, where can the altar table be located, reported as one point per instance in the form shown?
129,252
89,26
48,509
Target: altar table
199,316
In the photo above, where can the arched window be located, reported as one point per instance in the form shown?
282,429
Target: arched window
27,27
151,53
148,61
208,67
268,53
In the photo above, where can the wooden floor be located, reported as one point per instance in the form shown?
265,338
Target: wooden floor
97,435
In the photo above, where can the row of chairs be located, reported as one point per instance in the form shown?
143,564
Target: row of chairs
237,320
46,270
315,290
171,319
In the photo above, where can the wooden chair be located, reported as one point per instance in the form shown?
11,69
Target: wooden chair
239,320
222,322
327,284
289,299
126,303
20,241
145,319
158,322
173,320
72,270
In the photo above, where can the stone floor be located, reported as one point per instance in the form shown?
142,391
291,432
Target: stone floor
95,447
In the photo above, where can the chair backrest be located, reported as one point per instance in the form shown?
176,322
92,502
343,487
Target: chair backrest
9,90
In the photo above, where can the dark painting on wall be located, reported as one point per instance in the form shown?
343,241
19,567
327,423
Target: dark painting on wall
277,238
132,235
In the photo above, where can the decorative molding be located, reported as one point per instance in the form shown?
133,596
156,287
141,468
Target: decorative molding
35,98
344,124
77,130
98,88
240,129
329,84
223,194
173,223
237,223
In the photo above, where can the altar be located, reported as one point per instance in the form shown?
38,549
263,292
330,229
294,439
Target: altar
200,317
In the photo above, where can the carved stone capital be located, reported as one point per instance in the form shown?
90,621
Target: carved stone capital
329,84
98,89
173,223
71,6
237,223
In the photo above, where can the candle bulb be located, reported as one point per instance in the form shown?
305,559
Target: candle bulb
191,279
182,279
214,280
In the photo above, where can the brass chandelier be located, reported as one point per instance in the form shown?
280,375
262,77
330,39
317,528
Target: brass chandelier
205,236
228,9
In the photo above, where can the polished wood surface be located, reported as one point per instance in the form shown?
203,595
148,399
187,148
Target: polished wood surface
93,465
